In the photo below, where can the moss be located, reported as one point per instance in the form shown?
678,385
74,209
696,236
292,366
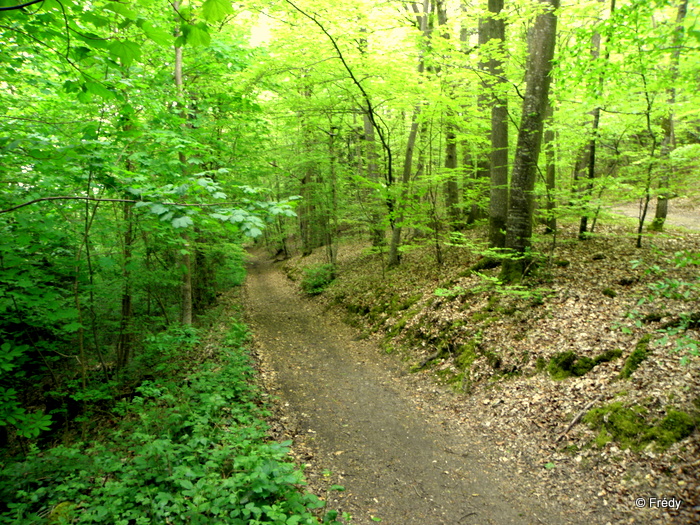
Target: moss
568,364
629,427
638,355
674,427
582,366
466,354
540,364
482,316
492,303
619,423
609,292
607,356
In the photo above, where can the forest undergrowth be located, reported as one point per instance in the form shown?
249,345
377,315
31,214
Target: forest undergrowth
188,443
587,372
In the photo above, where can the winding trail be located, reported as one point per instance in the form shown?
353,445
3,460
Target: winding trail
397,465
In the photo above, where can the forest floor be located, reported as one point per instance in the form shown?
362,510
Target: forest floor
440,446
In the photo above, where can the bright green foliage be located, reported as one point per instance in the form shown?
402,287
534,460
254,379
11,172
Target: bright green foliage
317,278
189,447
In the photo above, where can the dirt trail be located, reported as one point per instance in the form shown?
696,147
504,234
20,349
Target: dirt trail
351,405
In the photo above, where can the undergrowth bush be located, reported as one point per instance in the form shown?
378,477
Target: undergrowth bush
316,278
188,448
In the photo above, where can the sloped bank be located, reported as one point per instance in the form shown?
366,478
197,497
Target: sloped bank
501,350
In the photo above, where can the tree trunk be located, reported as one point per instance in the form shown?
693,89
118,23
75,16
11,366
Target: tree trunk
551,169
498,199
394,258
125,335
668,125
519,224
376,226
186,260
451,187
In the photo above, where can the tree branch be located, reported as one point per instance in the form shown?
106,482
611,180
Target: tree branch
93,199
365,96
21,6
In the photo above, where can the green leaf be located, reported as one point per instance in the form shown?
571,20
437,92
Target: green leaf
121,9
98,89
125,51
156,34
182,222
196,35
215,10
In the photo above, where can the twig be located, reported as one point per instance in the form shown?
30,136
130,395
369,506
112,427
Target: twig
94,199
578,417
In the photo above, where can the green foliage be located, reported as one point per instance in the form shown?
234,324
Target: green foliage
630,428
190,447
638,355
317,278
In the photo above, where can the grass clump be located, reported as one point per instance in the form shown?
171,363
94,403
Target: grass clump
316,278
638,355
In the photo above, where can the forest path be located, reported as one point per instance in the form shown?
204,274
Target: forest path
359,420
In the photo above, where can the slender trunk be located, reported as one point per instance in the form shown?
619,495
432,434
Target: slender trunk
376,226
520,210
125,335
551,168
484,103
669,140
498,199
451,186
186,260
394,258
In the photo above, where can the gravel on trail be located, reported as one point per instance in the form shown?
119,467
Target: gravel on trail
348,406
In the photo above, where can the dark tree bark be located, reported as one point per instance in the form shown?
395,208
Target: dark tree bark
498,198
519,225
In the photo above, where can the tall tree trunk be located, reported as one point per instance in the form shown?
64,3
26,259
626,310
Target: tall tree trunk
498,198
394,258
551,171
668,125
519,225
186,260
451,186
589,162
484,102
125,334
376,227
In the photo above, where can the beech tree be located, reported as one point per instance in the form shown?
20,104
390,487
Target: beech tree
520,210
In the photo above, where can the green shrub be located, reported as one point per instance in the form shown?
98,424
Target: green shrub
316,278
187,449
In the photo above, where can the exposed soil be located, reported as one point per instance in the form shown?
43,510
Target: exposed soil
389,438
683,213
